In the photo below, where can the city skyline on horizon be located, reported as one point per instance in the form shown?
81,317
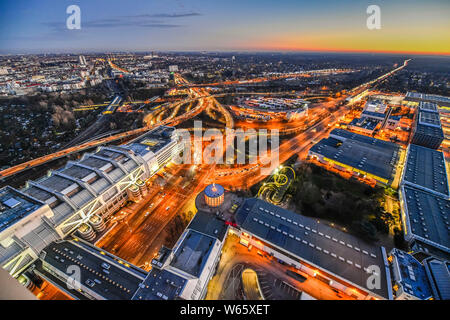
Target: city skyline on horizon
291,26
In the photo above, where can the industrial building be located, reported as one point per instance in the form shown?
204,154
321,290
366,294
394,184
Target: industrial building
359,154
86,272
341,260
274,103
424,200
428,107
425,169
415,97
375,116
364,125
425,218
56,205
427,131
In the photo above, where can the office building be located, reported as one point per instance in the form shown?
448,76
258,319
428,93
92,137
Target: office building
415,280
427,131
82,60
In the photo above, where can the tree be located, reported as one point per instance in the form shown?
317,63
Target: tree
309,194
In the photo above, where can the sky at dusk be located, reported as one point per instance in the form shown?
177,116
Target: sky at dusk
232,25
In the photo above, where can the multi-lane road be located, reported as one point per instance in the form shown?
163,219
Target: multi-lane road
196,94
136,238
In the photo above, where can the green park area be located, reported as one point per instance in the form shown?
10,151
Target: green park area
357,208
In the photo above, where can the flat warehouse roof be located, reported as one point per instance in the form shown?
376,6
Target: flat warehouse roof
330,249
425,169
94,162
364,153
208,224
193,252
14,206
428,216
117,285
160,285
439,272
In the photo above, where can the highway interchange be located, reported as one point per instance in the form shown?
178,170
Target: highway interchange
137,237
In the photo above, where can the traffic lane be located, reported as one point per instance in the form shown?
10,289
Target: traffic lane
234,253
133,219
161,217
134,224
136,245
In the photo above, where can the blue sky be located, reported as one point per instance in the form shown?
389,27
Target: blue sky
40,25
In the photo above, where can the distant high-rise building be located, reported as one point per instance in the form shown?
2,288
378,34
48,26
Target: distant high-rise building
427,130
173,68
82,60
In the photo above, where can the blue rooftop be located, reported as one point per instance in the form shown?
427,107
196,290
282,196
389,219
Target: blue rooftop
439,275
428,106
413,276
214,191
14,206
373,114
429,130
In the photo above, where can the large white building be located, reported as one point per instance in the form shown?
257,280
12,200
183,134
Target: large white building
54,206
